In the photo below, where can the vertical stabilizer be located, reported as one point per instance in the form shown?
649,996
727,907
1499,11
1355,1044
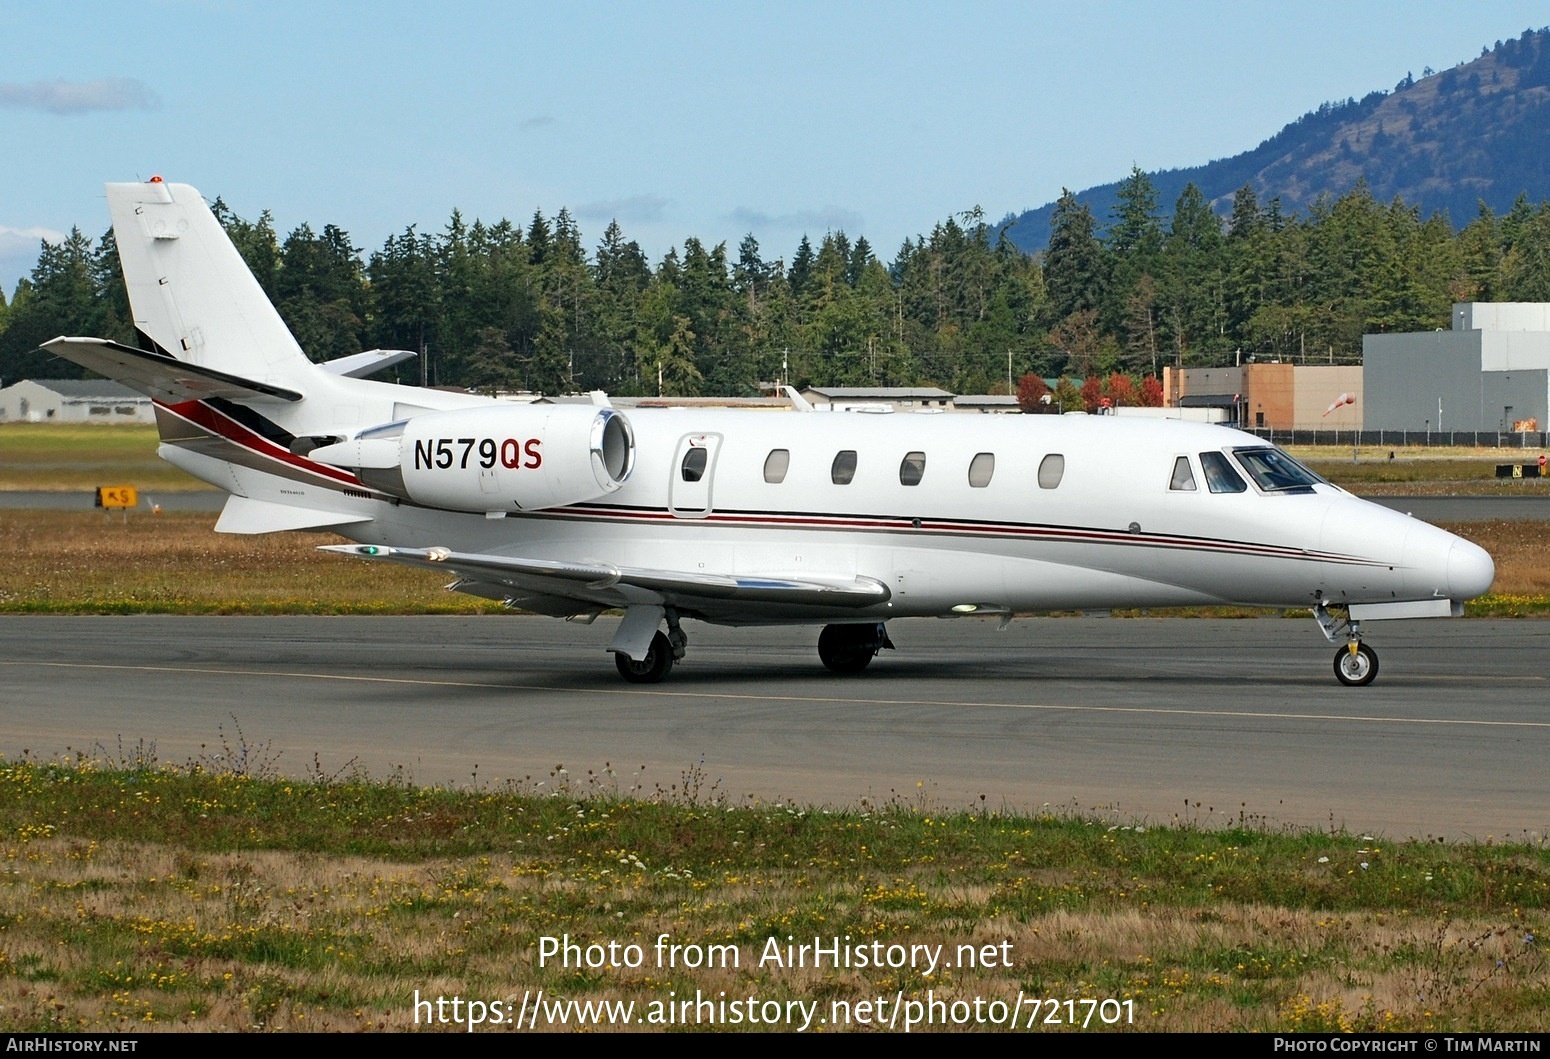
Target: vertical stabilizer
191,293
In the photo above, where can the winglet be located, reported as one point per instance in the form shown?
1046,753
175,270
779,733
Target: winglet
360,365
798,402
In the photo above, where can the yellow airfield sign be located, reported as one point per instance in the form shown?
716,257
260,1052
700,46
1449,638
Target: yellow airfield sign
117,496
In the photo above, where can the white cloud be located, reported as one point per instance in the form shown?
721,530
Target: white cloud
17,240
828,219
640,209
79,97
19,253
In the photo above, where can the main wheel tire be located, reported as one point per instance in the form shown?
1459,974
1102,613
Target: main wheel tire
652,669
847,648
1356,669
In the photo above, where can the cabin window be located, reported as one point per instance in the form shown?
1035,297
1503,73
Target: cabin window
693,466
1051,469
843,468
981,467
776,465
1220,477
1183,480
912,469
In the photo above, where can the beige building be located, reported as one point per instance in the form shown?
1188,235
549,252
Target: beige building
1273,396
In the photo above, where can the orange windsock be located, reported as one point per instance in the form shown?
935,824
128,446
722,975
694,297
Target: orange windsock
1345,398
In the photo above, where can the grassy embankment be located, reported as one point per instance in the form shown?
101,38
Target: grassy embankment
324,903
78,562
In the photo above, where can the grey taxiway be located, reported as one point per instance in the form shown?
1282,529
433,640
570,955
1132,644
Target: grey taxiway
1209,721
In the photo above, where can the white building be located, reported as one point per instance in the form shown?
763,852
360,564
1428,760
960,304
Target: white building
73,401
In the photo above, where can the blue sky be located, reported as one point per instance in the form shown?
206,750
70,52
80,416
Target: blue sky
680,119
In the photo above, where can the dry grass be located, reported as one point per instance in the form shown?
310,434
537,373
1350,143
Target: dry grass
324,905
90,562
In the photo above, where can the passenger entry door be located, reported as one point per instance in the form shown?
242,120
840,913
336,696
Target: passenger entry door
694,466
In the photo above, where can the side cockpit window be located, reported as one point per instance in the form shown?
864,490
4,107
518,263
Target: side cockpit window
1183,480
1220,477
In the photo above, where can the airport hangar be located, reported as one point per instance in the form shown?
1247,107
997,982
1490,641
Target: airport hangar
1488,374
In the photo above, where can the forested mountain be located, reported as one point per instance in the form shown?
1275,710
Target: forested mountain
1118,292
1479,132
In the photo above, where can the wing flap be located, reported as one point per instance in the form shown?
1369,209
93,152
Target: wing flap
620,585
160,377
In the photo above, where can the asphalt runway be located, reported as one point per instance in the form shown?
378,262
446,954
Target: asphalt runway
1143,719
83,500
1469,508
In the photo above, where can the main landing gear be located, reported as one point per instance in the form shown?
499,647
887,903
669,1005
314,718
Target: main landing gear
851,648
846,648
666,648
1356,664
653,669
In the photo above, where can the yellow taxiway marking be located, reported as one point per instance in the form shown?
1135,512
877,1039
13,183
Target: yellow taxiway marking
808,699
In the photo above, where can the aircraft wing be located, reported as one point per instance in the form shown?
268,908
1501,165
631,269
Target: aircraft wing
600,584
160,377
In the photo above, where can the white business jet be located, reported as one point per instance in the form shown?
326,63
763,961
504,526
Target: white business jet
839,519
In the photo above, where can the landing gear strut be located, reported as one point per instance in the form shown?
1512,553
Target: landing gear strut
1356,664
851,648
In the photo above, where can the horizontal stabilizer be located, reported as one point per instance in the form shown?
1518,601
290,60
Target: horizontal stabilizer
590,580
160,377
245,515
360,365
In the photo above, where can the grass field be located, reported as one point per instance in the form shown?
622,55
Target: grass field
325,903
59,458
86,562
1457,472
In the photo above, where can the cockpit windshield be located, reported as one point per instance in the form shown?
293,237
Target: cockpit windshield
1276,472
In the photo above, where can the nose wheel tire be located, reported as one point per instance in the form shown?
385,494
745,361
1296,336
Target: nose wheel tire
652,669
1356,669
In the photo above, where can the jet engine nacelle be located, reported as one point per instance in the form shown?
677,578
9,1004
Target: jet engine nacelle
512,457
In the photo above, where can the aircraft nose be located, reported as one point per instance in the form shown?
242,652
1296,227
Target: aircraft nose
1470,570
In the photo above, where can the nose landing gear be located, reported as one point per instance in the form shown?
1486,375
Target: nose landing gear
1356,664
